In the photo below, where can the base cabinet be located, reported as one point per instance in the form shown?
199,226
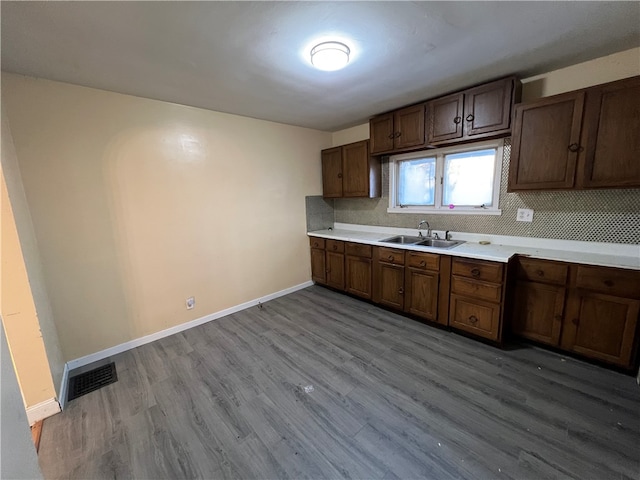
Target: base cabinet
389,277
359,270
327,262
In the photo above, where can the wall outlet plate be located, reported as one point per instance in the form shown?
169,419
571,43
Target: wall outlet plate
190,302
524,215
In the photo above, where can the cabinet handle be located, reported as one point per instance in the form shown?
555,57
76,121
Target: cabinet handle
608,283
390,257
540,273
457,120
391,135
574,147
423,263
335,247
473,319
340,175
398,134
475,272
470,118
315,244
401,291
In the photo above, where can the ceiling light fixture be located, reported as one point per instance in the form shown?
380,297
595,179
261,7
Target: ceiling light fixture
330,56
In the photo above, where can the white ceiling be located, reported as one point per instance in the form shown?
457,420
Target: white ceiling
251,58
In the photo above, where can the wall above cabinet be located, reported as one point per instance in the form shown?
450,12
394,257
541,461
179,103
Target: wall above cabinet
477,113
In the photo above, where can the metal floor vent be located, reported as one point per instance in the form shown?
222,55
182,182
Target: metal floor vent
92,380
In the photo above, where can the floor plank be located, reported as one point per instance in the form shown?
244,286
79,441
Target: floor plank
392,398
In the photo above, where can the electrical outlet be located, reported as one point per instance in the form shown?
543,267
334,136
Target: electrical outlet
190,302
524,215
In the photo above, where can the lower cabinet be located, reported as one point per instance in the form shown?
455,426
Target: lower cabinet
591,311
327,262
389,277
477,297
359,270
318,263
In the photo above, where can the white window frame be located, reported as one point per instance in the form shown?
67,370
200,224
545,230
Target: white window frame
440,153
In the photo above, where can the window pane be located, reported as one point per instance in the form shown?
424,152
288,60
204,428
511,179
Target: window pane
417,181
468,178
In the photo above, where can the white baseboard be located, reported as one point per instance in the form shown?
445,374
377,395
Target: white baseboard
62,400
42,410
123,347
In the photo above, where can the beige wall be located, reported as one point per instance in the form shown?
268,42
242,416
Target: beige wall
19,312
138,204
594,72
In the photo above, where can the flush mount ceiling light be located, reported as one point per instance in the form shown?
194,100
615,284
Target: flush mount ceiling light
330,56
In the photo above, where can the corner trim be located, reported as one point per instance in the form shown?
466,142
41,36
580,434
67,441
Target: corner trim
42,410
123,347
62,400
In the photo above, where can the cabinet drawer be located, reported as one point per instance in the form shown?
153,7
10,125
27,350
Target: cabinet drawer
480,270
334,246
391,255
475,316
424,261
316,242
542,271
476,289
614,281
358,250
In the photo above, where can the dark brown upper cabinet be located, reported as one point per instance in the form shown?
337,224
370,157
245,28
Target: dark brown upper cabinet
480,112
398,131
349,171
578,140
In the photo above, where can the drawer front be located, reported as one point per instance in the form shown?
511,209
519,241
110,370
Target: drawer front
316,242
358,250
542,271
614,281
391,255
424,261
475,316
476,289
336,246
480,270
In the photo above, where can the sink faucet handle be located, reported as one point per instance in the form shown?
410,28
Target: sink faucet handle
446,235
436,236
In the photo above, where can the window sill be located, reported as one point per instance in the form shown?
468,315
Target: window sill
446,211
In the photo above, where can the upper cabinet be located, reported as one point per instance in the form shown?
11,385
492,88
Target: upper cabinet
349,171
583,139
476,113
396,131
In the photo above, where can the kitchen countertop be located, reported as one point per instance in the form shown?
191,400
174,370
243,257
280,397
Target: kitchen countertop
501,248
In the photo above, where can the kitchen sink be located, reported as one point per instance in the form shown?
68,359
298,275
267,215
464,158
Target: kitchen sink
403,240
439,243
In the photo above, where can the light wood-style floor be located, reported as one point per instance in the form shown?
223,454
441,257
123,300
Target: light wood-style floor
392,398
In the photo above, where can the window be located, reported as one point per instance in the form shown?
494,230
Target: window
463,179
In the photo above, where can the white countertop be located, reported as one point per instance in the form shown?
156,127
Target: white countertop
501,248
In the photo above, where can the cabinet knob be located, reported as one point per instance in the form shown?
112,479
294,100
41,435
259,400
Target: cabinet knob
608,283
391,135
574,147
475,272
575,321
401,291
335,247
473,319
470,118
540,273
390,257
457,120
315,244
340,175
558,318
398,134
423,263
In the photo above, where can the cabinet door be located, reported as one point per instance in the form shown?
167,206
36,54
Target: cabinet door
409,127
421,293
546,137
355,158
318,268
445,118
601,326
358,280
391,286
475,316
537,312
332,172
335,270
487,108
611,137
381,133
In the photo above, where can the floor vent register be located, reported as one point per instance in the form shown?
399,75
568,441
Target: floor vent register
92,380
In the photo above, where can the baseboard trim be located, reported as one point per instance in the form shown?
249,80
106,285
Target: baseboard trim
63,388
42,410
123,347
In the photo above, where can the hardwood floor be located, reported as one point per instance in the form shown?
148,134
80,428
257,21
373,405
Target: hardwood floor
392,398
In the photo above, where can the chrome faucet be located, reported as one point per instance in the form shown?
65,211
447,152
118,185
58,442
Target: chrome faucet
428,229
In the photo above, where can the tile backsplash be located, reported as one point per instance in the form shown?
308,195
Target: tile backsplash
588,215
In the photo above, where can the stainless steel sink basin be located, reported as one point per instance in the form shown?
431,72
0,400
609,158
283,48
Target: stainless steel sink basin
438,243
403,240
